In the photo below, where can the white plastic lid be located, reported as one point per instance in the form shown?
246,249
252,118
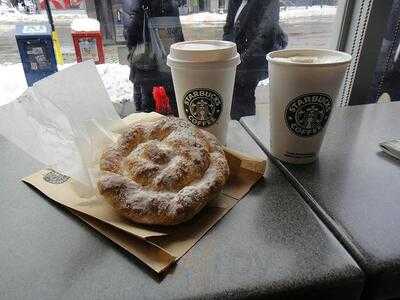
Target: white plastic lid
308,57
203,51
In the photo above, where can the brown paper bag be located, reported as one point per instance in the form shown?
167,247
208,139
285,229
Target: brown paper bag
156,246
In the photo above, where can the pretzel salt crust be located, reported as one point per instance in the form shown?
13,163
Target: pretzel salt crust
162,172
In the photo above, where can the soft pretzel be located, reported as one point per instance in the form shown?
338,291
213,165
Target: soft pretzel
162,172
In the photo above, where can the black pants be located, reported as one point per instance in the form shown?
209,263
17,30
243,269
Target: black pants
244,99
146,90
137,96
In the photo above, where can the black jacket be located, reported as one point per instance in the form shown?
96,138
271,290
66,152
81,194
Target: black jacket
256,33
132,18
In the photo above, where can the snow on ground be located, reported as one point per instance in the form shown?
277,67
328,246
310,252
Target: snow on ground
12,82
287,14
66,16
115,78
203,17
264,82
116,81
293,12
87,24
59,16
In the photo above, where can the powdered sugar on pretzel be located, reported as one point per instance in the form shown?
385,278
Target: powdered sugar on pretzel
162,172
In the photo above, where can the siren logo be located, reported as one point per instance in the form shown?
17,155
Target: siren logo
308,114
203,107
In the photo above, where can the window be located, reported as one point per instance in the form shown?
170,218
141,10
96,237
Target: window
304,23
385,85
307,23
310,24
370,35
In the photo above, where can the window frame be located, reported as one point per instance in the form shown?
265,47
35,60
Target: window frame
361,33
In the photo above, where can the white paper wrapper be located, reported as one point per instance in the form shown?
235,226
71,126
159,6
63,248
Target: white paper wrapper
65,122
60,120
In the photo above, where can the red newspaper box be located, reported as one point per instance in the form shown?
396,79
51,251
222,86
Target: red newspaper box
88,45
88,40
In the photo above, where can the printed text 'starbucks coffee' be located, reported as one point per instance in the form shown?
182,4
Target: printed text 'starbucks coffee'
203,107
308,114
203,73
304,84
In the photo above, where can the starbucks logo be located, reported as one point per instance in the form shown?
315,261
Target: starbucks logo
202,107
55,177
307,114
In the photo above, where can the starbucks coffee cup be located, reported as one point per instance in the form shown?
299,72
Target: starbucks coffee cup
203,73
304,85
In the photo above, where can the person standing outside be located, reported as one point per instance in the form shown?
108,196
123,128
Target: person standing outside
145,80
254,26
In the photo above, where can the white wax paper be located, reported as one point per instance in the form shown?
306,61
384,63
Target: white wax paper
59,120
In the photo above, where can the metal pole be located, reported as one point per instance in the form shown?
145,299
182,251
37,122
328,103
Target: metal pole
49,15
54,35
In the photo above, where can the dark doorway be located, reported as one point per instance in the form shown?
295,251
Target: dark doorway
202,5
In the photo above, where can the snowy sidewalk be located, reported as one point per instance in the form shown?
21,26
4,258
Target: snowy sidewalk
59,16
290,14
115,78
